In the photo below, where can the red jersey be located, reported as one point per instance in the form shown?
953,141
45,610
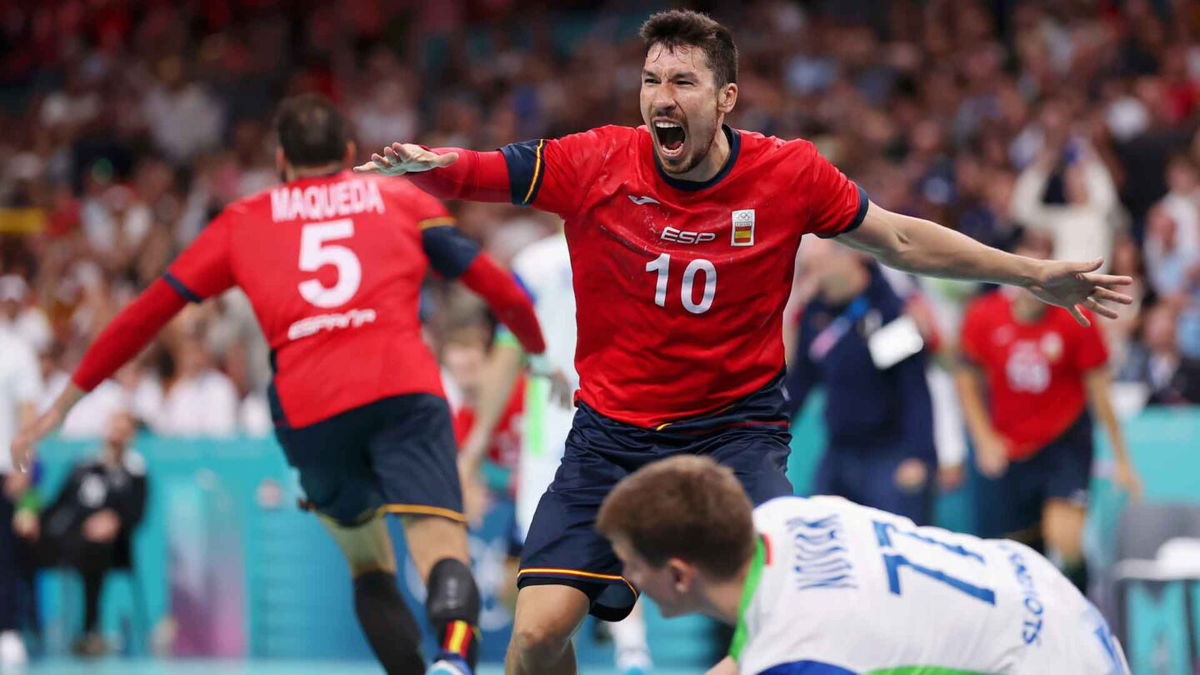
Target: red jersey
1034,371
680,285
333,267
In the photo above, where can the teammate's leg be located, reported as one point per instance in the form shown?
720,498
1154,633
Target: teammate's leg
389,625
547,617
439,550
1062,533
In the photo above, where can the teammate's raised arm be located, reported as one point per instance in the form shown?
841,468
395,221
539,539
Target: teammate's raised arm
923,247
453,256
445,173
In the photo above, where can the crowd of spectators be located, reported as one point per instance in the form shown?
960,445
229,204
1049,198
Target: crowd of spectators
126,125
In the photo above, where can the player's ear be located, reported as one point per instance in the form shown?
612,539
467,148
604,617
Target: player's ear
351,153
683,575
727,98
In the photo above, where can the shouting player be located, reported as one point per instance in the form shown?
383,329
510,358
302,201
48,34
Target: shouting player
333,264
823,585
683,236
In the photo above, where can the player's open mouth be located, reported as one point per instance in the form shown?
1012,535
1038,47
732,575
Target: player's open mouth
670,136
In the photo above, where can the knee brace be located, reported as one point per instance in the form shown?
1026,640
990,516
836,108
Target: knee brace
453,606
453,595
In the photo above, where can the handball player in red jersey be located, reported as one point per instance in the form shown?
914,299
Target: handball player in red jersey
333,264
683,235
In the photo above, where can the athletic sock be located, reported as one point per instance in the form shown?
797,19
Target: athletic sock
390,627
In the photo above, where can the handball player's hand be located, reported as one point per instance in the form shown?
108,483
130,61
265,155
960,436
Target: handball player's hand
398,159
1073,286
24,446
991,455
1126,478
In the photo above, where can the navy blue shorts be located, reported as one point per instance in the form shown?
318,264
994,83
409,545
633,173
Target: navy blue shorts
867,476
563,546
396,454
1013,503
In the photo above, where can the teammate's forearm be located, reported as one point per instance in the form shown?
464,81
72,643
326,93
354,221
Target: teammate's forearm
128,333
499,378
477,176
924,247
507,299
1099,393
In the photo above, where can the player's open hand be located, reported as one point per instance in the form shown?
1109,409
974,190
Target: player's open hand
398,159
1075,286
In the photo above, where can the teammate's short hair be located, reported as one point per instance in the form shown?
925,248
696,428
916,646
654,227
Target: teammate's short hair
680,27
312,131
687,507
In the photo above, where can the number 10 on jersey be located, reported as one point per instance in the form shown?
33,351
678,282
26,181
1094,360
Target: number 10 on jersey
662,266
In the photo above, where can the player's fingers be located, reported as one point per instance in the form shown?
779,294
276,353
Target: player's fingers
1108,280
1084,268
1078,316
1102,293
1099,308
369,167
381,161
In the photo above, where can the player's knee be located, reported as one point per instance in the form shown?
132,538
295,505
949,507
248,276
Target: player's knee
453,595
540,643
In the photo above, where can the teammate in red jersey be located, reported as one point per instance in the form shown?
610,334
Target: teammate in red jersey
1044,376
683,235
333,264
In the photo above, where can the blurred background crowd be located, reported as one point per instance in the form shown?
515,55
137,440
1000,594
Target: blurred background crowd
126,125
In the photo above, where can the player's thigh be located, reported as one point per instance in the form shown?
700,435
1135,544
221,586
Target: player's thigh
413,457
758,457
434,538
331,458
562,546
367,546
1062,527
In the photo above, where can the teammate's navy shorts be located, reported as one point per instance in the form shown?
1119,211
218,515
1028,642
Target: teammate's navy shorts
867,476
563,547
396,454
1013,503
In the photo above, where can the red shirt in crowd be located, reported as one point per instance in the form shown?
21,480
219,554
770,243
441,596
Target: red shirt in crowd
1034,371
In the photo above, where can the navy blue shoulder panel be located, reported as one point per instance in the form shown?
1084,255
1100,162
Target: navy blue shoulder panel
449,252
526,168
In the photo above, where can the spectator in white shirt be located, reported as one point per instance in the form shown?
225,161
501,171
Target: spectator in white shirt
1082,227
20,384
197,399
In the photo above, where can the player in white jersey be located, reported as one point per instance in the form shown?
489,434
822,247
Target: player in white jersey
544,270
823,586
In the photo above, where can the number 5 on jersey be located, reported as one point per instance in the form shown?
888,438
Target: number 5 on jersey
315,253
662,265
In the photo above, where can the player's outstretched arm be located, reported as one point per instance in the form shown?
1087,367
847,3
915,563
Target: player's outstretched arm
128,333
923,247
445,173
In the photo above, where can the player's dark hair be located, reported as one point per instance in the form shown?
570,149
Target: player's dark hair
687,507
683,27
312,131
